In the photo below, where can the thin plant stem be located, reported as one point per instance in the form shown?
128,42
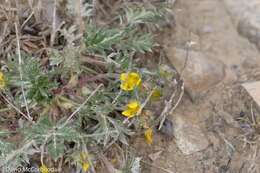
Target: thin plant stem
145,102
179,99
116,98
43,146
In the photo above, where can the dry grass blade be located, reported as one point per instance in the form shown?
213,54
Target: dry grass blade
79,16
17,109
179,99
20,70
53,33
78,109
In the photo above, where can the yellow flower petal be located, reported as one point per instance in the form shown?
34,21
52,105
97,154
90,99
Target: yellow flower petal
156,94
129,81
138,83
123,76
128,113
85,166
44,169
148,134
132,108
134,75
84,161
2,80
1,75
126,86
134,78
133,105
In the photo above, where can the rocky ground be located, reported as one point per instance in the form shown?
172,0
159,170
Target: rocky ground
214,47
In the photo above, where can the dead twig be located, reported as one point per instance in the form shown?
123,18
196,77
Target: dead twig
188,45
168,109
253,115
90,60
179,99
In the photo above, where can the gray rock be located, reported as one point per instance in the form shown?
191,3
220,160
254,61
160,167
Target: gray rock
200,73
249,27
246,14
236,8
167,129
189,137
253,89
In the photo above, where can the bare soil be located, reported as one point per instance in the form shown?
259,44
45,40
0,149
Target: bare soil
225,112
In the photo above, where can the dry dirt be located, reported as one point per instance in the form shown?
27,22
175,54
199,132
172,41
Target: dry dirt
233,143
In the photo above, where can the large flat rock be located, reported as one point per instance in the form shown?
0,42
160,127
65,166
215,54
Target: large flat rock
199,72
253,88
189,137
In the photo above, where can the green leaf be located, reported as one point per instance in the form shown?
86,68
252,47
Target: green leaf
123,131
12,157
4,133
56,58
102,39
36,83
68,133
54,136
139,43
56,149
139,15
39,131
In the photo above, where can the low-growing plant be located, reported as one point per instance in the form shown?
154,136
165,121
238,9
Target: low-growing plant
85,98
36,81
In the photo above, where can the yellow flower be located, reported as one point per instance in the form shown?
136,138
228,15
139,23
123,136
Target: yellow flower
156,94
129,81
85,166
44,169
84,162
148,134
2,80
131,109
